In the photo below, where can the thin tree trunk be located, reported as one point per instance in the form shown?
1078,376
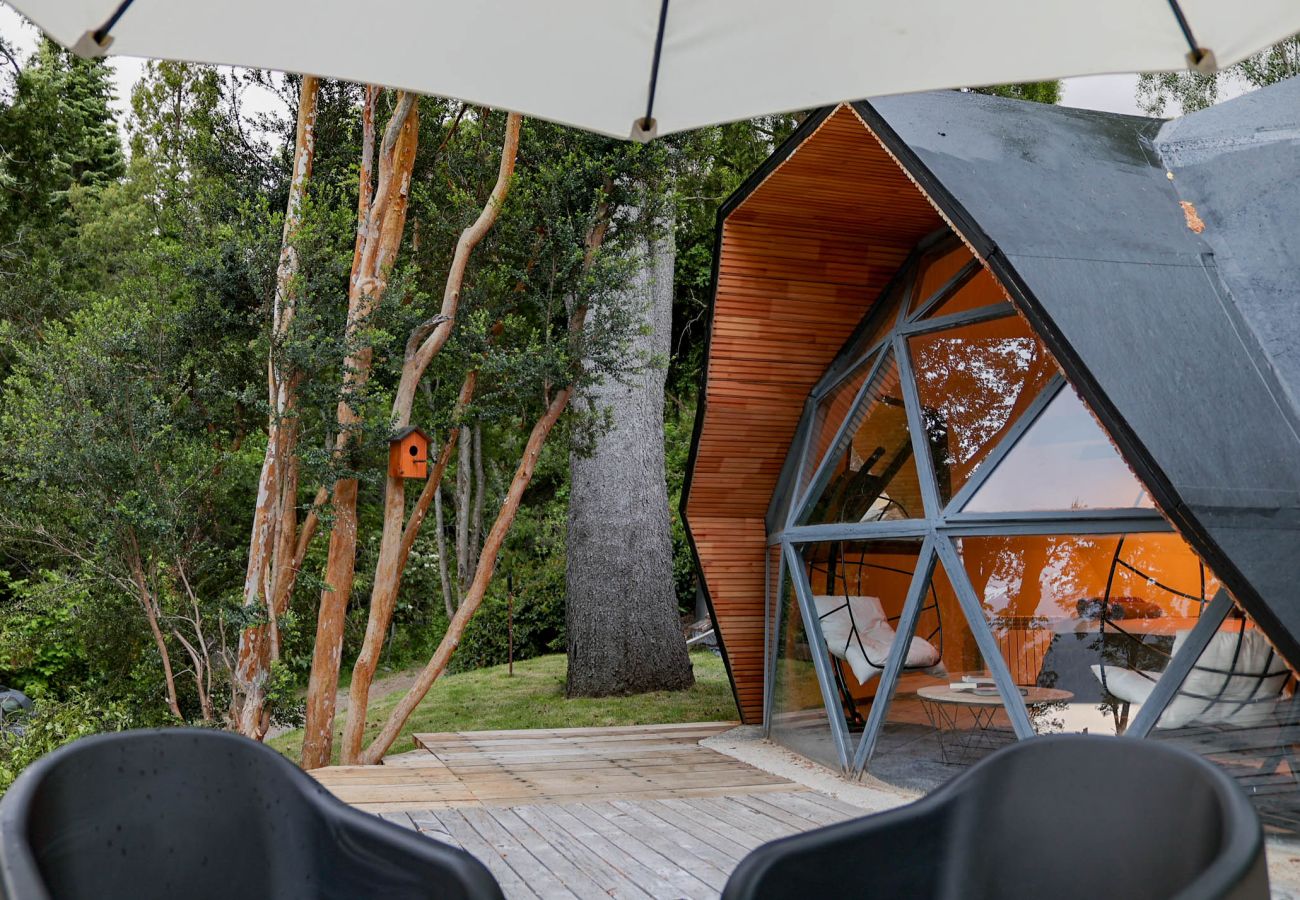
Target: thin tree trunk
624,630
495,538
464,491
425,342
379,236
478,588
480,499
275,512
440,537
149,604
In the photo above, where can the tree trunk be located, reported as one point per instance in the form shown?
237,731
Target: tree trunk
423,344
480,500
474,596
381,221
440,537
464,495
275,514
624,630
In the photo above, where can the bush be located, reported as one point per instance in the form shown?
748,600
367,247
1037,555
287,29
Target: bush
54,724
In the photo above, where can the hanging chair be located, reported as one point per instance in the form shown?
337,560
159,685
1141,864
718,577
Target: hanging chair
857,630
1238,680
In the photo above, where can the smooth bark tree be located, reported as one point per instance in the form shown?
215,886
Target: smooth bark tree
274,532
399,533
556,402
624,630
381,221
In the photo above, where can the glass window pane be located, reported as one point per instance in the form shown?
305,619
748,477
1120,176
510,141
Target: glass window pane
981,290
830,413
799,720
1238,708
937,270
941,720
859,590
1063,461
872,476
974,382
1077,617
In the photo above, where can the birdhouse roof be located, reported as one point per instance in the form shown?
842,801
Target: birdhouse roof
407,432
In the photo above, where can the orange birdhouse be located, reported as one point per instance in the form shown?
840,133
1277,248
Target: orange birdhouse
408,454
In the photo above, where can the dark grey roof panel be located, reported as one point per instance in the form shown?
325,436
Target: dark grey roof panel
1266,549
1238,164
1162,347
1048,180
1192,361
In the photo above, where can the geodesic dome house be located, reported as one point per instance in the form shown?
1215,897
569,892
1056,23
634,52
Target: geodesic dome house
999,433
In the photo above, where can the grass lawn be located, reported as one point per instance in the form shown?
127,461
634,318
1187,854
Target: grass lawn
489,699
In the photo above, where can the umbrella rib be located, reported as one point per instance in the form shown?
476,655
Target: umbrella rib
647,123
1199,56
100,33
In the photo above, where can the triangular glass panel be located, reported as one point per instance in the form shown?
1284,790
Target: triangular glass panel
1079,619
870,474
974,382
799,719
980,291
829,415
1063,461
943,717
1237,708
936,271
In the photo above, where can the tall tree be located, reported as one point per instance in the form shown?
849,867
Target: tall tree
624,631
276,545
1184,92
381,221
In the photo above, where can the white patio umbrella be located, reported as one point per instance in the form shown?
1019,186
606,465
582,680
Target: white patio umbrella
635,68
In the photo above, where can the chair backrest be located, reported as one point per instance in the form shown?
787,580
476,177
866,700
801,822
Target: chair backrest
1062,817
1088,816
198,814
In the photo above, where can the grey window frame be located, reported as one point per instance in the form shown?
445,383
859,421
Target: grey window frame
942,525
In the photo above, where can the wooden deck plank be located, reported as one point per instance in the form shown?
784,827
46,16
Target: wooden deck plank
648,878
573,877
469,839
537,875
659,839
706,857
613,881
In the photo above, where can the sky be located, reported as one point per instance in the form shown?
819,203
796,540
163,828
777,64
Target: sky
1111,93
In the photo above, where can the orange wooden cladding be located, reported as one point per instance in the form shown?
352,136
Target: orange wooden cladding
802,258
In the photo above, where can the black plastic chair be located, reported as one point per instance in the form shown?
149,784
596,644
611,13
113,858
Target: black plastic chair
1055,818
206,814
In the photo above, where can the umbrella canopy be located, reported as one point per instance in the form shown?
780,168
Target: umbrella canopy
636,68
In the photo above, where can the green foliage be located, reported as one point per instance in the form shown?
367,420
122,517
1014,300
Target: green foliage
1034,91
41,646
54,724
1188,91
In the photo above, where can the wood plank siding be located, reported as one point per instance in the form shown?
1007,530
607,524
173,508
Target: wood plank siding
801,259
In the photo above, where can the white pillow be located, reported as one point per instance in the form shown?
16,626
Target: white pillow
874,631
1130,685
1229,690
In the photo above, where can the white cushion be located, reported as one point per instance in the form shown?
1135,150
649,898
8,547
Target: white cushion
1229,689
1128,684
874,632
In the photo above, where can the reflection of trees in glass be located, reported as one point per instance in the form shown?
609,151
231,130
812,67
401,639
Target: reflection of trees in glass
973,382
875,476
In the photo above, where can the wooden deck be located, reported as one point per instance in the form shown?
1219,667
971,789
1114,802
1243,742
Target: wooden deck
641,811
